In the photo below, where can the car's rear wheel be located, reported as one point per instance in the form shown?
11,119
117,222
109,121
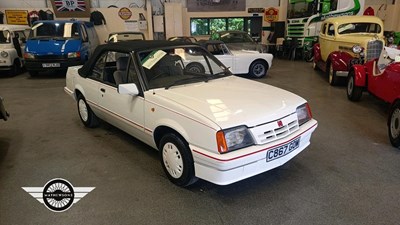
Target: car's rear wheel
176,160
354,92
332,78
394,125
258,69
88,118
195,67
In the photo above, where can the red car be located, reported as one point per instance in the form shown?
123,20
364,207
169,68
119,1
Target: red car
381,78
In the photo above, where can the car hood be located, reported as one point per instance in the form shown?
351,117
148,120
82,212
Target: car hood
56,47
234,101
245,52
357,38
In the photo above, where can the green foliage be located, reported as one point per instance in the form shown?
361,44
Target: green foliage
212,25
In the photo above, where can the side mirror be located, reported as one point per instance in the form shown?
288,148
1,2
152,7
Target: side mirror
128,89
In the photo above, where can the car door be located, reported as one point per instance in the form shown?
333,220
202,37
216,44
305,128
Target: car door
222,53
91,84
123,111
327,36
22,40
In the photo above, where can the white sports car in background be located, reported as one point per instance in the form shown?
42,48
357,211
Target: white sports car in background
209,125
252,63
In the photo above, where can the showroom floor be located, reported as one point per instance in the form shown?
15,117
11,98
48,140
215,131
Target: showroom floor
348,175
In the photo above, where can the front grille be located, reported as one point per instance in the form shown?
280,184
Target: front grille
51,57
295,30
271,131
374,49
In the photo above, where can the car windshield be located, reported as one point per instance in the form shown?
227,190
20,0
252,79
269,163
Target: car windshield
236,37
360,27
5,37
167,67
301,8
58,30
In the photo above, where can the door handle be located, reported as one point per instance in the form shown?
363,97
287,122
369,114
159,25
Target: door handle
103,90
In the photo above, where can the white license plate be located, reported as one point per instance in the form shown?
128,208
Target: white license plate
282,150
47,65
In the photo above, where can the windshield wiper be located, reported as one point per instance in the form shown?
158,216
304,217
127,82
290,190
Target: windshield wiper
182,81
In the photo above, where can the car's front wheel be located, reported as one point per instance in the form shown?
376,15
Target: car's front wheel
332,78
33,73
258,69
314,65
176,160
354,92
16,68
88,118
394,125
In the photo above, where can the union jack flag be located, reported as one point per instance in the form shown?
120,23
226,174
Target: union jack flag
70,5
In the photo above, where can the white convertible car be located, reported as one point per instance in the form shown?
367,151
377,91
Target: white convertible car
209,125
252,63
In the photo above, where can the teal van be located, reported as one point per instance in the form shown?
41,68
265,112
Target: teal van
55,45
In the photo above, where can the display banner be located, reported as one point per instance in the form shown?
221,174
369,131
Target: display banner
17,17
71,8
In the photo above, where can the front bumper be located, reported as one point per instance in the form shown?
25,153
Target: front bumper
223,169
6,64
37,65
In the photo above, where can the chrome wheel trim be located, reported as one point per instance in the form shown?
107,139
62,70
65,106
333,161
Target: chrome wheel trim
330,74
83,111
259,70
172,160
350,86
395,123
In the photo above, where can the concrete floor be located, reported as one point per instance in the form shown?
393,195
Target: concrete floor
348,175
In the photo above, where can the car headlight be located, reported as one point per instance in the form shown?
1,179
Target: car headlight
4,54
28,55
303,114
357,49
74,54
233,138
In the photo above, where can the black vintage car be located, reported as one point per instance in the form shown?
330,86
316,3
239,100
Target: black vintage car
3,113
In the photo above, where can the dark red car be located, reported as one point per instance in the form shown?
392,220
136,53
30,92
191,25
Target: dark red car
381,78
3,113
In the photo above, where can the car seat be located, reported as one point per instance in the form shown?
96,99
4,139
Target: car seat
120,75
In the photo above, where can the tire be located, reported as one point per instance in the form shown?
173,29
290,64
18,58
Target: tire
308,56
16,68
314,65
33,73
394,125
176,160
258,69
195,67
332,78
354,92
88,118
